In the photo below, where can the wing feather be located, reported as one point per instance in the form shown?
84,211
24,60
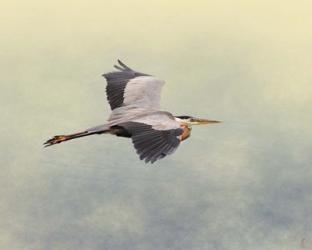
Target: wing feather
129,88
152,144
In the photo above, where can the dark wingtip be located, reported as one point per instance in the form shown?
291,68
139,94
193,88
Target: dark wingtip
118,67
105,75
123,65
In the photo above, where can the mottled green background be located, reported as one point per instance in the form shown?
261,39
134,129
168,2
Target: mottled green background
244,184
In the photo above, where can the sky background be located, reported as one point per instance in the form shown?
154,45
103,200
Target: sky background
242,184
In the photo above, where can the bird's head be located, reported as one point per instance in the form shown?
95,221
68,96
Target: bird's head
190,120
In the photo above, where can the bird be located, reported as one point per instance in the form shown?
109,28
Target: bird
134,99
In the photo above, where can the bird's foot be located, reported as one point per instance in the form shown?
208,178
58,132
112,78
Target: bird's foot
55,140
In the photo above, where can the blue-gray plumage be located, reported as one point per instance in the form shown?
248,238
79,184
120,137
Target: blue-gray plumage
116,84
134,98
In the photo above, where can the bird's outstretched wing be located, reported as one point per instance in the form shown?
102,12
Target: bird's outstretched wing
152,144
132,89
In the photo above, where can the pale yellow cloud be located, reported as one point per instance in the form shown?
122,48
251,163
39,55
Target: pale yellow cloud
244,184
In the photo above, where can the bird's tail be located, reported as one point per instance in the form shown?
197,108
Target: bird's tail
61,138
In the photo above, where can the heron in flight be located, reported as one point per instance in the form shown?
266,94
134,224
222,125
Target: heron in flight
134,98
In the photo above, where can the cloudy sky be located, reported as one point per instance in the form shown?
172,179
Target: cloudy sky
243,184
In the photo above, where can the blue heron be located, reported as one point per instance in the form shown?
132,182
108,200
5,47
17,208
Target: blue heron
134,98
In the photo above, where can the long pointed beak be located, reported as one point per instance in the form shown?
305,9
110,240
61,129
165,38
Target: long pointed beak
198,121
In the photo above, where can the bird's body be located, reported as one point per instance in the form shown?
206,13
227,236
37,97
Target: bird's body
134,98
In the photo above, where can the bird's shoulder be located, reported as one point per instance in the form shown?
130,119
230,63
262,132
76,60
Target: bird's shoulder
160,120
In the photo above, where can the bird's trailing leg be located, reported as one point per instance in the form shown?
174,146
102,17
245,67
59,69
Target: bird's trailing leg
61,138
